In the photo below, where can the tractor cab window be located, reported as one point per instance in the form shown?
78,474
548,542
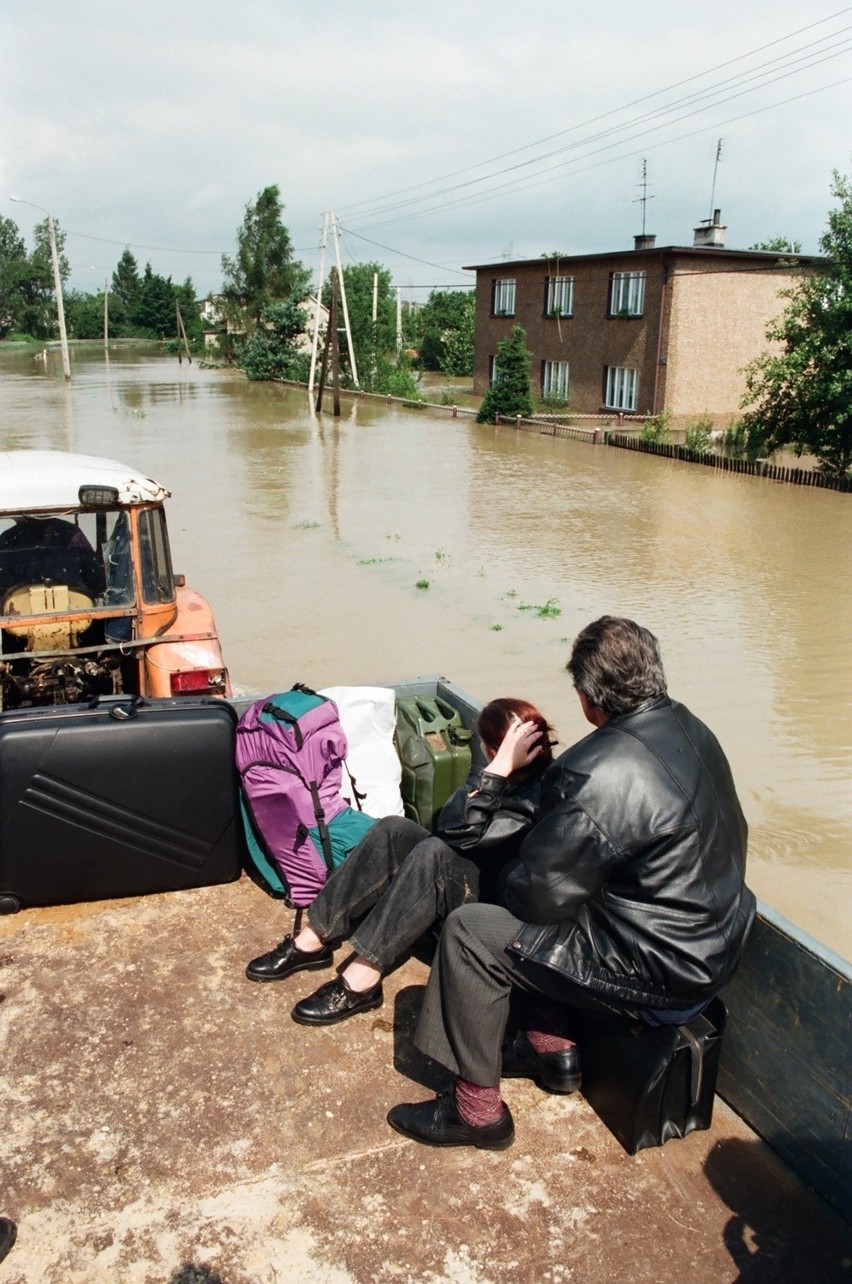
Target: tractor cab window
49,563
158,583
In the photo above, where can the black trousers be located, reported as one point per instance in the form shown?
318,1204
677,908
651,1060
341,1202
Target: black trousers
402,879
466,1008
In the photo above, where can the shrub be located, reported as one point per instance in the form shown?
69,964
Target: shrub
699,435
656,427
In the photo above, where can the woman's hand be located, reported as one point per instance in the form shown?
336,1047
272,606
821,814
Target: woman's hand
520,745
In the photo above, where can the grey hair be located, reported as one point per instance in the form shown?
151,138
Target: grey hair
616,664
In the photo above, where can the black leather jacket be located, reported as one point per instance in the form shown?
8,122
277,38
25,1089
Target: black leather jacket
486,820
632,881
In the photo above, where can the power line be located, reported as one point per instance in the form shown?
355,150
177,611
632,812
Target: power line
605,115
527,183
441,266
815,58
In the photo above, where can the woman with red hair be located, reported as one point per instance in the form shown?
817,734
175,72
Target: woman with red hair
401,879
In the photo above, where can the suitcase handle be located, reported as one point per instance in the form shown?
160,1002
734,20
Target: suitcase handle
123,712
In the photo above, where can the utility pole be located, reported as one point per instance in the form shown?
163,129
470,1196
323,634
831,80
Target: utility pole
330,223
342,284
398,320
106,315
181,334
60,306
57,284
320,282
332,343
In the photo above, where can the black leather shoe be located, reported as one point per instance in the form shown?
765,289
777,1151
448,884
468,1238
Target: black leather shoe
285,959
556,1071
438,1123
334,1002
8,1235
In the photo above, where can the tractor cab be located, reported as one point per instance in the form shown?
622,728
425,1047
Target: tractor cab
89,604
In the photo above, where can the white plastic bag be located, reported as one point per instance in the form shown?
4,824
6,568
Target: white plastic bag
368,716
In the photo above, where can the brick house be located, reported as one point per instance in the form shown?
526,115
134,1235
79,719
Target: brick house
641,330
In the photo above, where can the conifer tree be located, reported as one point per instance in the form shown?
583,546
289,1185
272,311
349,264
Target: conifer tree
509,393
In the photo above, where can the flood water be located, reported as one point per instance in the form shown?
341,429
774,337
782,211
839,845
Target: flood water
310,536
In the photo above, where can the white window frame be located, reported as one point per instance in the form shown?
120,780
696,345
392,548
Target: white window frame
554,380
622,387
560,296
493,371
504,296
627,294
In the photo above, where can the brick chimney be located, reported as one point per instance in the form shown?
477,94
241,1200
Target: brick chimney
645,241
710,232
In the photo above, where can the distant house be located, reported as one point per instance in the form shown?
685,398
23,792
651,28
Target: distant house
216,326
637,331
305,341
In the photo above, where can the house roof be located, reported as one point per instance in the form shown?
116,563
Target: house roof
768,258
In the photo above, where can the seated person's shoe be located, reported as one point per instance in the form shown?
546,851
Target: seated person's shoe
438,1123
557,1071
334,1002
8,1235
285,959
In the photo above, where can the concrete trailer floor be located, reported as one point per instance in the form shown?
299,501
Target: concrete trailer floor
165,1121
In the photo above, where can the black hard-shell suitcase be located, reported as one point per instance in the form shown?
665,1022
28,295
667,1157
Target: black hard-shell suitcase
119,798
651,1083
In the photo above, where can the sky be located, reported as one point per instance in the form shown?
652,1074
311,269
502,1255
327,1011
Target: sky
440,134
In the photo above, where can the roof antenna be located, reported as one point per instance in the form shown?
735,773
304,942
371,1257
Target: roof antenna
644,198
713,189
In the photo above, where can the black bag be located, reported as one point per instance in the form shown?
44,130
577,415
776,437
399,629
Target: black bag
651,1083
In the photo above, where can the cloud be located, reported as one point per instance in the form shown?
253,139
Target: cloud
155,124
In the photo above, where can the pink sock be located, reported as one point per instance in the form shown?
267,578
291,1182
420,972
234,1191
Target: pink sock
478,1106
541,1042
547,1023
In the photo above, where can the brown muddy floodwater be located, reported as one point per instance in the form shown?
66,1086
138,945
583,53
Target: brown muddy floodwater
310,536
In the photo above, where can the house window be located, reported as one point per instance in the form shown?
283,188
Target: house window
622,386
560,296
554,380
493,371
627,294
504,298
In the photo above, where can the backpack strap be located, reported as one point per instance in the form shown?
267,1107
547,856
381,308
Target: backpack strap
325,837
356,794
281,715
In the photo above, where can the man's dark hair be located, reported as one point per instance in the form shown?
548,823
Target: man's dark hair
616,664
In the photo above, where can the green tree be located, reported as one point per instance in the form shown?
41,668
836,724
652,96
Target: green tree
154,311
263,271
801,396
778,245
37,294
380,369
446,325
510,392
14,272
84,315
273,351
126,285
190,311
372,340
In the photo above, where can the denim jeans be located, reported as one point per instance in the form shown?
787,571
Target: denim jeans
399,880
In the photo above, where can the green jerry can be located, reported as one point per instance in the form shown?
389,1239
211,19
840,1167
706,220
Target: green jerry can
434,750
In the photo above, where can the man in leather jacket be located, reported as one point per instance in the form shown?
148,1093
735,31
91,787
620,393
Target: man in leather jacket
628,896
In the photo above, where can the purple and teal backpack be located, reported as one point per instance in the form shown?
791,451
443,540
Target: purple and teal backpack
291,752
